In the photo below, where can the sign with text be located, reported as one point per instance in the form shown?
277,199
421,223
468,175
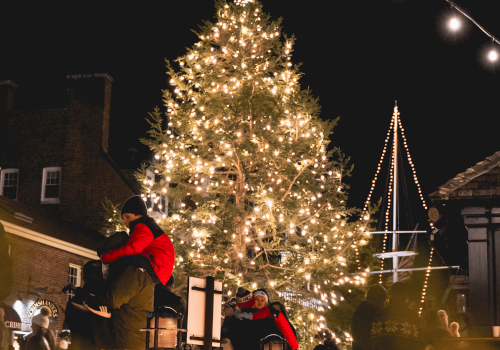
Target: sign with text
43,302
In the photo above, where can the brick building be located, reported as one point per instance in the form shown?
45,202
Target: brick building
47,254
57,160
55,171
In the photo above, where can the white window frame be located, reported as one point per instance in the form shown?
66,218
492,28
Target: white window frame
2,179
164,208
78,277
44,180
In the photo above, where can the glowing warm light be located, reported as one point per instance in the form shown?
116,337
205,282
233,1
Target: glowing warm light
454,24
493,55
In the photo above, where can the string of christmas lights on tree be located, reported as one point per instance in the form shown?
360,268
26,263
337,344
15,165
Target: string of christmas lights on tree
255,197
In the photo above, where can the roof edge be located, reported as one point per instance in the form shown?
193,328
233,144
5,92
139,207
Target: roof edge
467,176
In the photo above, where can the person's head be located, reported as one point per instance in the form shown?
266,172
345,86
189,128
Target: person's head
327,337
42,319
133,209
92,271
244,298
63,344
115,241
261,298
376,295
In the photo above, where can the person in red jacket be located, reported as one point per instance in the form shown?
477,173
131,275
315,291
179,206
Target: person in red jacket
148,247
255,306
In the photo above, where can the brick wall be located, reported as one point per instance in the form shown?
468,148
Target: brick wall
74,138
47,267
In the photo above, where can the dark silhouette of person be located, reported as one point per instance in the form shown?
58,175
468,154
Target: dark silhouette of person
398,326
364,315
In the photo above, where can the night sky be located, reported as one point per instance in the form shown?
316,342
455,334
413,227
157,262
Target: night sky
358,57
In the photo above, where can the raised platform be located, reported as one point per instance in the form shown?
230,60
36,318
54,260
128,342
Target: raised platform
395,254
475,343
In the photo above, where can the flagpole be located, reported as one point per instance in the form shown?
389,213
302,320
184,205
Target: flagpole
395,197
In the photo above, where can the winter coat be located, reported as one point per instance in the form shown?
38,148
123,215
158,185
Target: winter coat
397,327
246,334
4,337
253,326
44,339
147,239
79,323
129,298
361,325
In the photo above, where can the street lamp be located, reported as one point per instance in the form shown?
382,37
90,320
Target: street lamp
273,342
163,329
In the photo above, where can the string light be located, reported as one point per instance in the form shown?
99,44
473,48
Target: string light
414,172
393,130
493,55
454,25
271,170
424,290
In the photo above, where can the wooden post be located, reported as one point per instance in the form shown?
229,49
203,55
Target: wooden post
209,312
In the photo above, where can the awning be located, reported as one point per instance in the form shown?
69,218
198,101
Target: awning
12,319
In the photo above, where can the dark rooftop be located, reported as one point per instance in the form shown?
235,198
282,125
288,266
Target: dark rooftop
480,181
22,215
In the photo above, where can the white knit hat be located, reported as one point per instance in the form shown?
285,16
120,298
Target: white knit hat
42,319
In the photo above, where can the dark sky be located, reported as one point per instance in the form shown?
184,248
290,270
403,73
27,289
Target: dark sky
358,57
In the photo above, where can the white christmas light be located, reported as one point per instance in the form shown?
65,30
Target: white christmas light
493,55
454,24
242,2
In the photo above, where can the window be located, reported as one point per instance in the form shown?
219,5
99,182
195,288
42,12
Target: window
461,303
74,276
163,207
51,185
9,183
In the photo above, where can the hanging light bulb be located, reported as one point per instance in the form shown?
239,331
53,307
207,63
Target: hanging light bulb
493,55
454,24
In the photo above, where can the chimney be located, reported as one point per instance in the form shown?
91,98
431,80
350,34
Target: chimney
7,89
91,90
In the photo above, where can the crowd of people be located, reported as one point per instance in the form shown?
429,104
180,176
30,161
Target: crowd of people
134,276
381,323
119,289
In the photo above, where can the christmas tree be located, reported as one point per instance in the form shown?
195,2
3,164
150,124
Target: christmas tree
256,197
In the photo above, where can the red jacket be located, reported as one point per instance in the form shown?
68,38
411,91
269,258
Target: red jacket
147,239
282,324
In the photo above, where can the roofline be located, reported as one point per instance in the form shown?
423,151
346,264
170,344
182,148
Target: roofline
47,240
443,192
115,168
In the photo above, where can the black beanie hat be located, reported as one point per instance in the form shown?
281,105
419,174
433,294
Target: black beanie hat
115,241
135,205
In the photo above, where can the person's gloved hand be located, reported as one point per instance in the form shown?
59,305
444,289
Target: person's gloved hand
228,311
275,310
240,315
